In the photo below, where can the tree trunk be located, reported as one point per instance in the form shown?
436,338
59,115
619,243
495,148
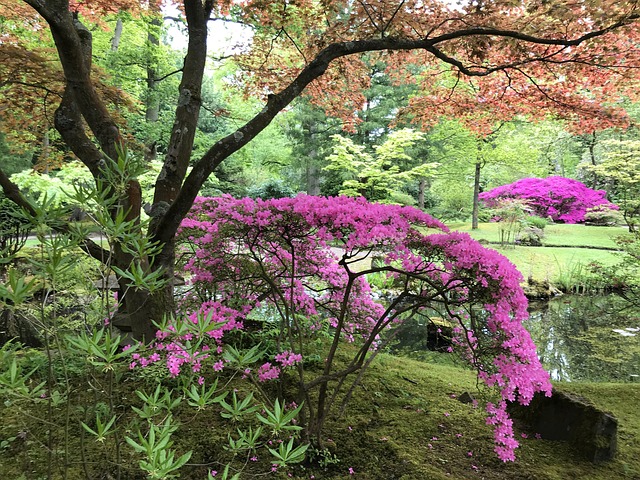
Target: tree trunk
152,110
422,186
476,196
117,35
313,176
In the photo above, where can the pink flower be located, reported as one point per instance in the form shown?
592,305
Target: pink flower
268,372
351,471
218,366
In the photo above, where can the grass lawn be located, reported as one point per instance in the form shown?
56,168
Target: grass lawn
550,263
557,234
566,252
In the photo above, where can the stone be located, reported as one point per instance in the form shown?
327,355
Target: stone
466,397
571,418
534,289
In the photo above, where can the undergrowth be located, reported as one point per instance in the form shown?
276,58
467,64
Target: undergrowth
404,422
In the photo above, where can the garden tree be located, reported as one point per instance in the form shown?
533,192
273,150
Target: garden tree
559,198
383,100
559,149
513,151
619,171
452,145
310,129
262,160
530,53
275,263
147,74
379,176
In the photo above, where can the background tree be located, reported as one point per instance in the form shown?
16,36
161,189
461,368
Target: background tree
382,175
527,54
620,171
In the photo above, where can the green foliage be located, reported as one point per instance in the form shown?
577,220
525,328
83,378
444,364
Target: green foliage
14,230
158,458
102,429
275,188
279,420
620,168
16,290
603,215
15,383
13,160
204,397
286,454
102,347
537,222
510,213
377,177
237,409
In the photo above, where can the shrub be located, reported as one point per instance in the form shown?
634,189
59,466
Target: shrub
559,198
302,259
536,222
603,215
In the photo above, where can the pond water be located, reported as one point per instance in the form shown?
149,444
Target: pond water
587,338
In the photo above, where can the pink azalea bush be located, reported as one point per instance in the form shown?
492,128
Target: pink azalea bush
559,198
298,262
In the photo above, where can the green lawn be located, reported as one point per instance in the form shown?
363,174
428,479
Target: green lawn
548,263
557,234
566,251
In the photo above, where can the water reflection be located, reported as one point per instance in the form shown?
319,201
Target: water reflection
595,338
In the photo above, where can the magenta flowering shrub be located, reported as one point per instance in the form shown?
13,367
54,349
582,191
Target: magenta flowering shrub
298,262
562,199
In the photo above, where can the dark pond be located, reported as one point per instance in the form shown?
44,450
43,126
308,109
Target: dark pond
587,338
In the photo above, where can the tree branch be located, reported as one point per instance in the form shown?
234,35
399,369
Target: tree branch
170,221
13,193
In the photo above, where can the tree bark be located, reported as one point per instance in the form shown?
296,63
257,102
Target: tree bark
422,187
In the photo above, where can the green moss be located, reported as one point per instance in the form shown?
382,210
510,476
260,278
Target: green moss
403,422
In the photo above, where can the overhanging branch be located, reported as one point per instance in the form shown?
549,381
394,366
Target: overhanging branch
169,223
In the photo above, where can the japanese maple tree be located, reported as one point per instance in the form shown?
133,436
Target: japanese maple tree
526,55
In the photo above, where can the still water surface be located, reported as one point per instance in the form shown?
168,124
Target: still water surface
587,338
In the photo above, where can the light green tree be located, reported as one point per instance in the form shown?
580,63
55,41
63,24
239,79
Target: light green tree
620,170
381,175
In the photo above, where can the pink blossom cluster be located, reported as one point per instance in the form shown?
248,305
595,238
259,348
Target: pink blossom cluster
286,359
559,198
298,256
